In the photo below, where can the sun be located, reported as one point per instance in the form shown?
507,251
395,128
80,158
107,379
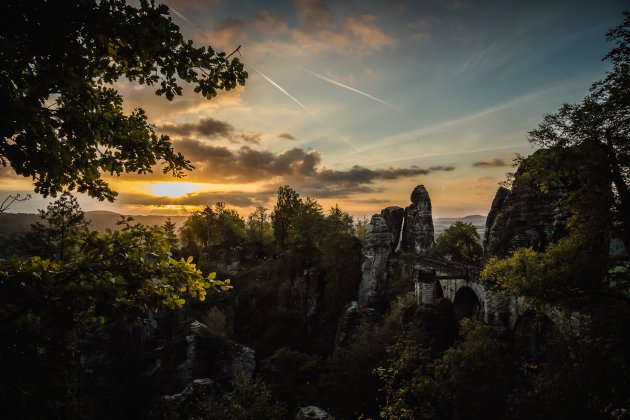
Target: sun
174,189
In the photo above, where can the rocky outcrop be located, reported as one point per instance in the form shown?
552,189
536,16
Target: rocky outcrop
207,354
313,413
378,246
418,233
183,405
524,217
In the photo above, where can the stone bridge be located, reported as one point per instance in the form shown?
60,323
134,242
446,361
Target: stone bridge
529,322
403,238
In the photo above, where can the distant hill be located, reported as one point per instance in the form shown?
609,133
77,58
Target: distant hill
11,223
102,220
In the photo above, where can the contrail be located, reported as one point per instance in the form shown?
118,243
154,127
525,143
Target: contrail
202,31
281,89
188,21
360,92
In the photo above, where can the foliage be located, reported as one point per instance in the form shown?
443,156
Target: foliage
44,304
577,261
360,228
249,399
470,380
339,222
56,237
459,243
214,228
62,123
292,376
475,375
406,384
284,210
259,226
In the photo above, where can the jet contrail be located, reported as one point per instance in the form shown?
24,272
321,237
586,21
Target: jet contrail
188,21
281,89
360,92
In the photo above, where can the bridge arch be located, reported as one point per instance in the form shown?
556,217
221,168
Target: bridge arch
466,304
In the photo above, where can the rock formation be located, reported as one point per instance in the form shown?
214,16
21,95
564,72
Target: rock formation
351,321
418,233
209,355
382,240
524,217
378,246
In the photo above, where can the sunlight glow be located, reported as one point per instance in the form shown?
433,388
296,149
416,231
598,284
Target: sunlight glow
174,189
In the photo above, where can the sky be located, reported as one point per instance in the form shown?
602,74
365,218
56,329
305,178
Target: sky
356,102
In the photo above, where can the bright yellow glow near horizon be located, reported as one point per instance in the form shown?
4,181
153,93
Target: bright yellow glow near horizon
175,189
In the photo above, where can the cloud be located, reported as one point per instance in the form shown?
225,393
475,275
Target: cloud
268,33
207,127
230,198
493,163
231,32
212,129
286,136
313,13
420,37
370,35
297,167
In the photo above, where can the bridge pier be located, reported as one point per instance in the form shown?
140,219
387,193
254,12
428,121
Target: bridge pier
425,286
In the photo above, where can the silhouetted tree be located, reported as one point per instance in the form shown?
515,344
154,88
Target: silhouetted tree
57,234
62,123
283,212
602,119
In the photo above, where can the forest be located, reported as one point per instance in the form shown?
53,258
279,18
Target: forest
297,311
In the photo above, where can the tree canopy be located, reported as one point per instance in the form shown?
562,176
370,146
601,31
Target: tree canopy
460,243
602,120
62,122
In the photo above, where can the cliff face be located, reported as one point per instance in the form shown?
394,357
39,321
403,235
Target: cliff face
524,217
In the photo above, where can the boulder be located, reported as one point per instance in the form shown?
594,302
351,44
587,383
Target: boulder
312,413
207,354
418,233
